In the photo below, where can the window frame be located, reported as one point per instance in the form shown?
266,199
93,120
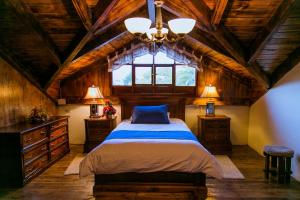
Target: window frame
153,88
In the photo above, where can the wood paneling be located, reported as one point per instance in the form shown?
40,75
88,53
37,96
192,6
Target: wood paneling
233,88
245,18
58,18
18,96
283,42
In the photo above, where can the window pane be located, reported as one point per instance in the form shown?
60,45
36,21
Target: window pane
122,76
145,59
185,76
161,58
143,75
163,75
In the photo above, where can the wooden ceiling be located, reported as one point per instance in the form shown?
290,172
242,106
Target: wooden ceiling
50,40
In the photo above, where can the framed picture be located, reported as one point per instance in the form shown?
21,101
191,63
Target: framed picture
210,109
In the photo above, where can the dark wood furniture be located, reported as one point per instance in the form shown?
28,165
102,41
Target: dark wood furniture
214,133
27,149
157,182
96,130
280,157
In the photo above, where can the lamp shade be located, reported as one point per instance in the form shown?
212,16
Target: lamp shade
93,94
210,92
138,25
181,25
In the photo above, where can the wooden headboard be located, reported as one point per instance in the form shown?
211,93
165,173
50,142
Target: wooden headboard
176,105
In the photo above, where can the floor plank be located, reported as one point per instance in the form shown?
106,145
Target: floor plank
52,184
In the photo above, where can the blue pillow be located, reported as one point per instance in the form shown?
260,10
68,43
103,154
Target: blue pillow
150,115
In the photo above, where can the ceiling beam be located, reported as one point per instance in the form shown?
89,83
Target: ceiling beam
275,22
82,42
138,11
25,16
218,12
83,12
151,10
286,66
229,42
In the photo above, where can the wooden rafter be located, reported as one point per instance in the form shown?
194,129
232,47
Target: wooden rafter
26,16
286,66
275,22
218,12
228,41
83,41
83,12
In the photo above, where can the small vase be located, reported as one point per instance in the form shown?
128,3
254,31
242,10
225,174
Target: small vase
109,116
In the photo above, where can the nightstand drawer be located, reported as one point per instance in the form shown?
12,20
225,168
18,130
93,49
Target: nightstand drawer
96,130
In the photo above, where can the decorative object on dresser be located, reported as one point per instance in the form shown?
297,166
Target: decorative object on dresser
26,149
94,98
96,130
37,115
214,133
108,110
210,92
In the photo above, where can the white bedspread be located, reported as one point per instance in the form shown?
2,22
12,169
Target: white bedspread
150,155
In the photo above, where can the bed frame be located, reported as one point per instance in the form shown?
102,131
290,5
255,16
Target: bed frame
128,185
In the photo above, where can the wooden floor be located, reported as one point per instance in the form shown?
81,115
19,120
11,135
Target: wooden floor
52,184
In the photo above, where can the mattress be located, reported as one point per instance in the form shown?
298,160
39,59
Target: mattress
119,154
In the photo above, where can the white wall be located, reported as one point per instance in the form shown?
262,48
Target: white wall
239,120
77,115
275,118
238,114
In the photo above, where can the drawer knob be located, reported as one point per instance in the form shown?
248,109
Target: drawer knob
28,140
43,148
43,132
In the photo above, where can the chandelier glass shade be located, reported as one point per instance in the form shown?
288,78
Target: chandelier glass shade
140,27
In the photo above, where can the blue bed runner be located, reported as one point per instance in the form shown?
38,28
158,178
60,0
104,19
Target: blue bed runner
129,134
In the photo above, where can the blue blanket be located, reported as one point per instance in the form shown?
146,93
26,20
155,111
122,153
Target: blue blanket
126,134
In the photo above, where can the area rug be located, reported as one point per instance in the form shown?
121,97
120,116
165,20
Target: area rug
73,167
229,169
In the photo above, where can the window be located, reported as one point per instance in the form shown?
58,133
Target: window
143,75
122,76
163,75
185,75
154,74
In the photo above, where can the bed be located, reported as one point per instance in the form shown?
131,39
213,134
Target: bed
174,164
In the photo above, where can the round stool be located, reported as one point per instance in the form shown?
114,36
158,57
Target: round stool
280,163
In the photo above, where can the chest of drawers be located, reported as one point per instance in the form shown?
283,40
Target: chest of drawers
27,149
214,133
96,130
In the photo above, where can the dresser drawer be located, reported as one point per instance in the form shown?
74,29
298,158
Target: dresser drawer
58,141
60,151
58,132
58,124
36,166
29,155
99,124
34,136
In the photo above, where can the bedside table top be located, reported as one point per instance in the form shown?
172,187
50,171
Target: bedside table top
213,117
100,119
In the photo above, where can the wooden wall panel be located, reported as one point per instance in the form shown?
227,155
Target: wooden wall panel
18,96
233,89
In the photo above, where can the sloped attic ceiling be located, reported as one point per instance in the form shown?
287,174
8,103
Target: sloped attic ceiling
52,39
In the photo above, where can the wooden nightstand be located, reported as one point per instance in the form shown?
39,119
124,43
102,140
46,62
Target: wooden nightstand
214,133
96,130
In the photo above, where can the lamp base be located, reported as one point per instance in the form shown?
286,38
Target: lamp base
94,111
210,109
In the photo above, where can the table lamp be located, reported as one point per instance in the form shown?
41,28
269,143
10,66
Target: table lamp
94,98
210,92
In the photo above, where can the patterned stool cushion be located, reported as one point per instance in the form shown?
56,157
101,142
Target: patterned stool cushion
279,151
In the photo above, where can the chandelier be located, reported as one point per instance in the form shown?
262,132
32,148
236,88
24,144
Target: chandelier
140,27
